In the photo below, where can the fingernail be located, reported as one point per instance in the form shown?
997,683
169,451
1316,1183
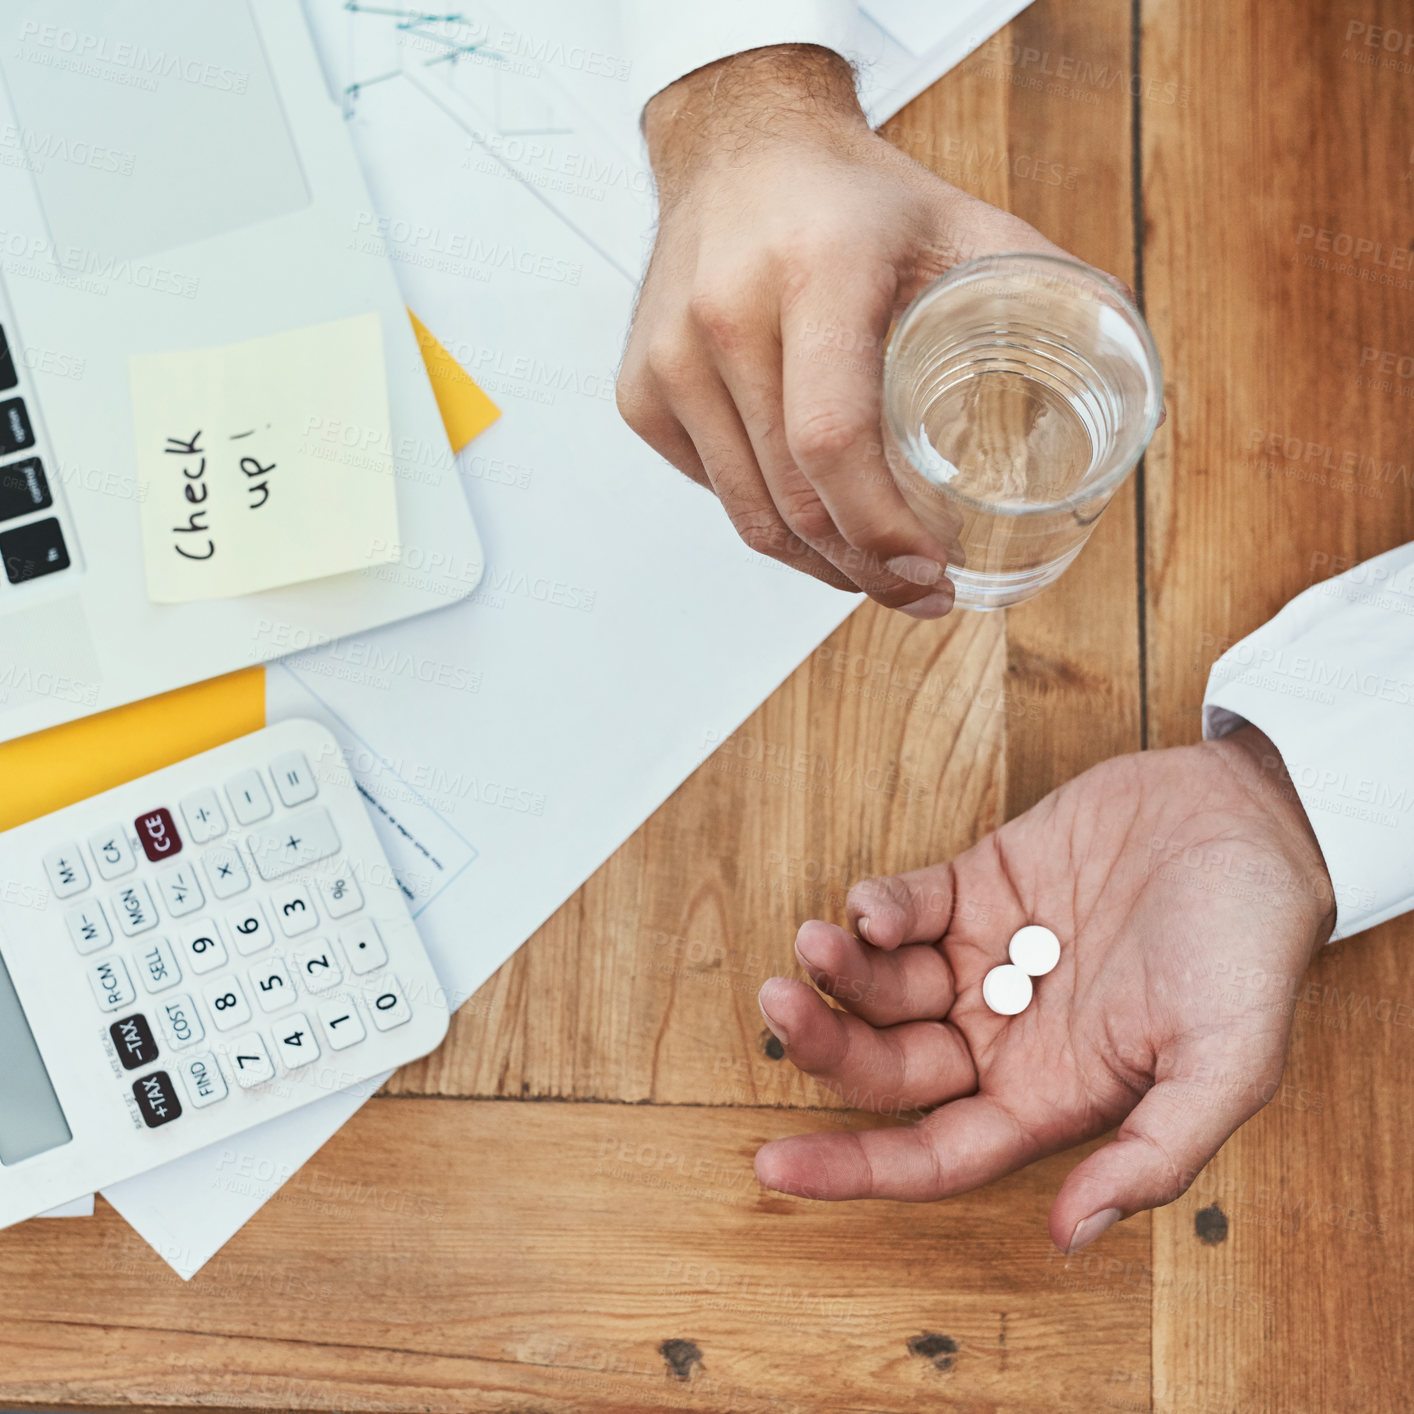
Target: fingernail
802,951
934,606
862,928
1088,1229
777,1030
916,569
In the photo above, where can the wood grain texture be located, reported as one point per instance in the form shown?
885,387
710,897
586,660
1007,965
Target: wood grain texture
447,1256
1295,1250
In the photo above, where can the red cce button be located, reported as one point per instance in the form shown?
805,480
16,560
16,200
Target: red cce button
158,833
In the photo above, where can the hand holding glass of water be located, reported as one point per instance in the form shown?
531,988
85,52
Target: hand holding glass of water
1019,392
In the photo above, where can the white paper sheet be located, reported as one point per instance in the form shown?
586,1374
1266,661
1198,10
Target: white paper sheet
621,630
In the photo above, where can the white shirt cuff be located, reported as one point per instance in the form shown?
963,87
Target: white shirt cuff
668,38
1331,681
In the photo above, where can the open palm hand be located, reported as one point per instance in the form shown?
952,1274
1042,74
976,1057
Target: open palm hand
1177,881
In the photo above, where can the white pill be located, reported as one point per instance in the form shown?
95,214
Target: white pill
1034,949
1006,989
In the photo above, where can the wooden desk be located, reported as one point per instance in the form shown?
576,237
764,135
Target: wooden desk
556,1212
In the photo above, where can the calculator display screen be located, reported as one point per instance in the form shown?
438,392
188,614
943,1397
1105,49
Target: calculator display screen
31,1119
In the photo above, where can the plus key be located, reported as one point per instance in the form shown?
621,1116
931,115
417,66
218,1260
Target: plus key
158,833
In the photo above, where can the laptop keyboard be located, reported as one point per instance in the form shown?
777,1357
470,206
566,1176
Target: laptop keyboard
31,548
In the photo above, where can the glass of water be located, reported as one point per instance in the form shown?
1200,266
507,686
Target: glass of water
1019,391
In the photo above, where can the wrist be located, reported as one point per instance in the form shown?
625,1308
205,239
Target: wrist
1263,772
718,114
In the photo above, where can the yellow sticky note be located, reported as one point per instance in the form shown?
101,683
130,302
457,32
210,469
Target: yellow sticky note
466,410
266,462
65,764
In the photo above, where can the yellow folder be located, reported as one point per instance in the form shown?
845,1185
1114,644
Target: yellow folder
55,768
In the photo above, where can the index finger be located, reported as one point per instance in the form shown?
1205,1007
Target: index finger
832,337
963,1145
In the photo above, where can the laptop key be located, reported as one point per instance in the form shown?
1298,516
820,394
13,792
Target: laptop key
16,432
23,488
8,376
30,551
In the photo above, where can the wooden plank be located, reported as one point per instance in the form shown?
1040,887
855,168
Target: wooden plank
1038,121
452,1256
1293,128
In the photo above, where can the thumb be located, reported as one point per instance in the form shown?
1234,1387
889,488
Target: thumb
1155,1155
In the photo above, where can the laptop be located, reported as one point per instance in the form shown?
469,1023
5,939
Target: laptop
174,174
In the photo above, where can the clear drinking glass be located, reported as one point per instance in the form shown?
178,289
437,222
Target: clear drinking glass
1019,391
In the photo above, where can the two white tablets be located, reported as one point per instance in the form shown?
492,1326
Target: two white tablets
1034,950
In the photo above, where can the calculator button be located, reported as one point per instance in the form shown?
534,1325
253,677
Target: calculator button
16,432
202,1078
156,1099
204,816
132,1038
180,890
157,834
30,551
293,778
112,852
250,801
23,488
227,1003
88,926
340,893
226,872
67,872
134,908
201,946
158,966
341,1022
296,841
8,377
180,1021
363,947
251,1061
271,984
294,908
387,1005
296,1042
248,930
317,966
111,983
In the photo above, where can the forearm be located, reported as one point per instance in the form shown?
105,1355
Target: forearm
780,93
1258,765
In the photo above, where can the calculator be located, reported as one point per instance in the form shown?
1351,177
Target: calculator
192,953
